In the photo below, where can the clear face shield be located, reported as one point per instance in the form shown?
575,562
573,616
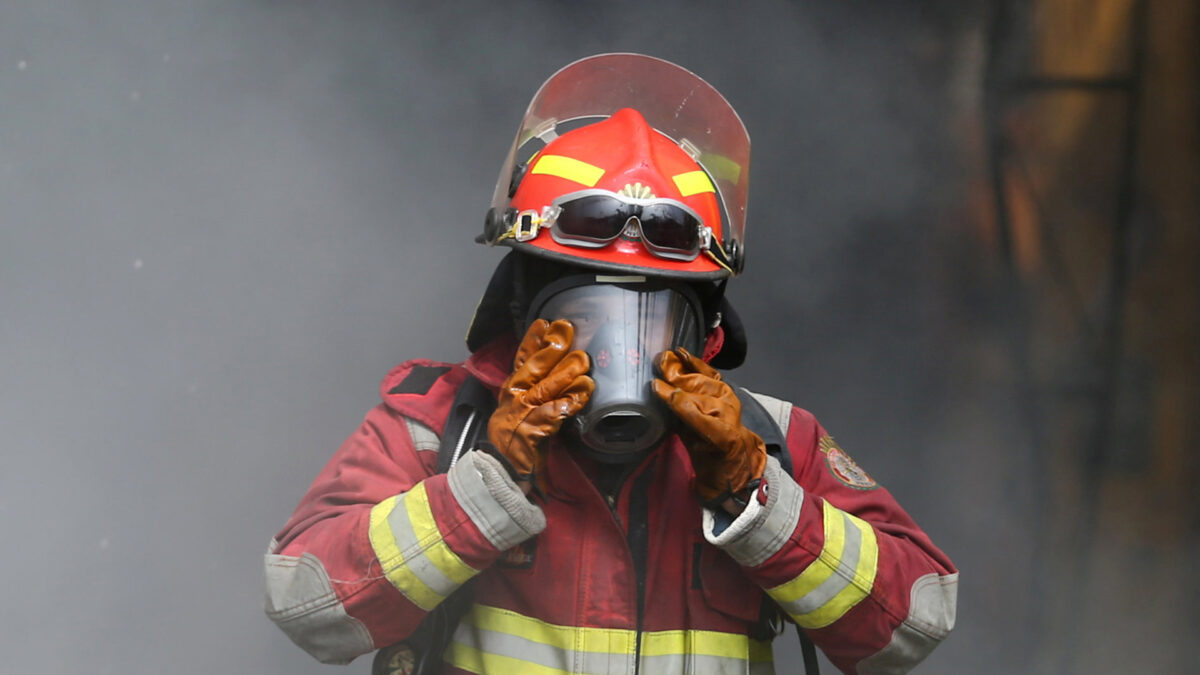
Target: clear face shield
674,101
622,323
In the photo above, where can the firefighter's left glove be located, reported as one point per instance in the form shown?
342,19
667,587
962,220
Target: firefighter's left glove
727,457
549,383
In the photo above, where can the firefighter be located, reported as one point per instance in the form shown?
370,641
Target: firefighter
625,509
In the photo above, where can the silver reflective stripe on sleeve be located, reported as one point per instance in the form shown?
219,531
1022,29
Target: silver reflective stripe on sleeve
300,600
931,617
841,576
836,582
411,551
416,551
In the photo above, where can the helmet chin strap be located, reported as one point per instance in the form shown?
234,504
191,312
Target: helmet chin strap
713,344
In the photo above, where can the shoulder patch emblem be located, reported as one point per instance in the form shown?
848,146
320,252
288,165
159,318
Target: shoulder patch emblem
843,468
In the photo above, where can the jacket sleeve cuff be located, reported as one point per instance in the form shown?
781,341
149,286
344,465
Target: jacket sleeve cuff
494,502
761,530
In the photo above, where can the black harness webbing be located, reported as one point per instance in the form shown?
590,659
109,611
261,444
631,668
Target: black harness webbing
473,405
469,414
756,418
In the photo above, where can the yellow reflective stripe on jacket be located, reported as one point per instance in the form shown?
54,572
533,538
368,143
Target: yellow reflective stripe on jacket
693,182
411,551
707,642
840,577
491,640
569,168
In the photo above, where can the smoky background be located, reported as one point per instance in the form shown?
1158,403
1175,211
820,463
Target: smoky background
222,222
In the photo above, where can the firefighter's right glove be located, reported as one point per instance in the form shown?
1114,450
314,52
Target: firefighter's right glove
727,457
548,384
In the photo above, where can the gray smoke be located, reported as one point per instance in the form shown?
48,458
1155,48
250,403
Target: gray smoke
222,222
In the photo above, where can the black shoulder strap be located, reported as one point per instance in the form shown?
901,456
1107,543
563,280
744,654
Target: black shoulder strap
421,653
469,413
756,418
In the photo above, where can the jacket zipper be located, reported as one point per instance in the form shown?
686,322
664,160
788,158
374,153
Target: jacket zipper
637,545
638,540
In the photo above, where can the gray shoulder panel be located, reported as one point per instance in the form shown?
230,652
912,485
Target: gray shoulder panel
779,410
423,437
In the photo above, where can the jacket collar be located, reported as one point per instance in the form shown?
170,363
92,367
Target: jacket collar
492,363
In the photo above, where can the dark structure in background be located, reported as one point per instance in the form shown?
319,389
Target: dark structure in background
1090,125
212,212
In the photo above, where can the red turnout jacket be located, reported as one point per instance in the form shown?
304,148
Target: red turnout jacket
644,581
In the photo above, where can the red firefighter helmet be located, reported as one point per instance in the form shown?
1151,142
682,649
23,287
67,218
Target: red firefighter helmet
630,164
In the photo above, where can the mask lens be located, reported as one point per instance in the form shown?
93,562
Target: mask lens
667,226
622,328
592,218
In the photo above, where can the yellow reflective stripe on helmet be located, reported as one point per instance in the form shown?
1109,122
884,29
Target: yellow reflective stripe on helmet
492,640
569,168
411,551
840,577
693,182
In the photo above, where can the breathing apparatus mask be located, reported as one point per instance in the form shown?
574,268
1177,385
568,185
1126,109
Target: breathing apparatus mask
623,323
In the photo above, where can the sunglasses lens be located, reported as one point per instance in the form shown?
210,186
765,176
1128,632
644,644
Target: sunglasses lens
667,226
593,218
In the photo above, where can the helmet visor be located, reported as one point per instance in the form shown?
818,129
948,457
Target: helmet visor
673,100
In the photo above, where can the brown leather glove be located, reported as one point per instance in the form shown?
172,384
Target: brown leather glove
726,456
548,384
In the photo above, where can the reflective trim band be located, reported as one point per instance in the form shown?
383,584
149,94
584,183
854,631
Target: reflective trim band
692,183
569,168
761,531
701,651
704,642
423,437
505,516
491,640
838,579
411,550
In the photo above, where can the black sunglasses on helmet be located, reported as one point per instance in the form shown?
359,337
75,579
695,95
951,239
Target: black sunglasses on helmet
595,218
